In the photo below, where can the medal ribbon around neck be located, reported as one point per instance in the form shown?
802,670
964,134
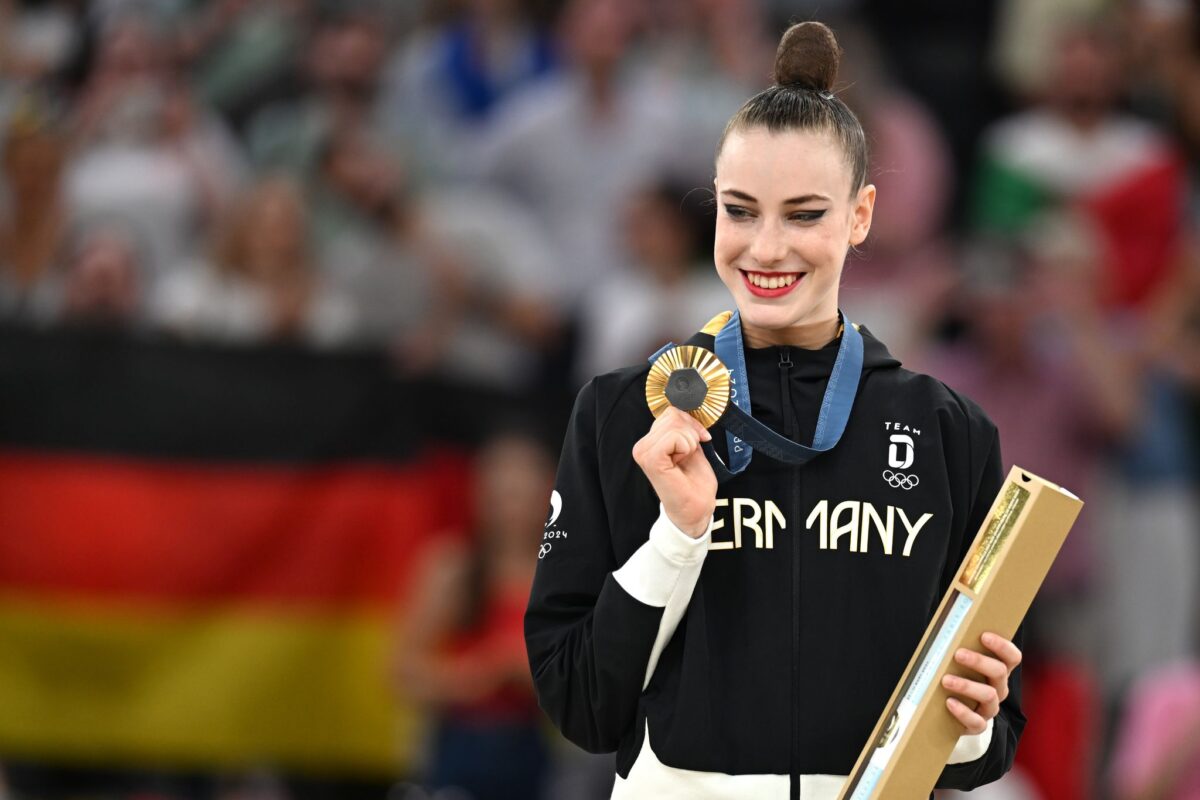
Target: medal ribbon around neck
702,383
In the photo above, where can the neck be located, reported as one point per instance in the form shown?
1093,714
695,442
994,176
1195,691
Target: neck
806,335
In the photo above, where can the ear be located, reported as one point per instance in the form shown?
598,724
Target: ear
861,214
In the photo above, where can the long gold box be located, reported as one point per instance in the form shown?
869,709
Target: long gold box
992,591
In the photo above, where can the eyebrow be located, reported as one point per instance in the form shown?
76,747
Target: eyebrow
804,198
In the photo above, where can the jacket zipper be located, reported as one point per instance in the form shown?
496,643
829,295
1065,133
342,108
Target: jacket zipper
789,430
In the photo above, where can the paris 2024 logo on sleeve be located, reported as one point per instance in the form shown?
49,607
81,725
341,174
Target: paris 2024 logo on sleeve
556,506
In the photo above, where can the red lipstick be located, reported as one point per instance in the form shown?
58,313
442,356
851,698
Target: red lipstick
760,291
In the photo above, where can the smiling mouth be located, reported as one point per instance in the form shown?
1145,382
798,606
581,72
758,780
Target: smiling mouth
770,284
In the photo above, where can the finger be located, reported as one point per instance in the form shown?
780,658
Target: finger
673,417
695,464
701,431
667,421
676,445
990,668
982,693
971,722
1004,649
688,443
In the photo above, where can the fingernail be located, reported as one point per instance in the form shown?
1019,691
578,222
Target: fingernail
706,436
961,655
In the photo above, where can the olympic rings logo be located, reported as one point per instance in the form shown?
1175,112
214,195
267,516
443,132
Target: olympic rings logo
545,548
898,480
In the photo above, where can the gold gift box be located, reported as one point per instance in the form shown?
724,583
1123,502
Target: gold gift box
992,591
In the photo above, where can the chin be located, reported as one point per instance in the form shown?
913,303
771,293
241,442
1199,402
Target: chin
769,318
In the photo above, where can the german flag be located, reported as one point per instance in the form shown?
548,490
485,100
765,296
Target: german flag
203,550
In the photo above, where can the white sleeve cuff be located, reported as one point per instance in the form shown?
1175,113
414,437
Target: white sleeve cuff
663,573
652,572
971,746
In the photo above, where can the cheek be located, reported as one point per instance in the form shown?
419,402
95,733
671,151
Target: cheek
824,246
729,241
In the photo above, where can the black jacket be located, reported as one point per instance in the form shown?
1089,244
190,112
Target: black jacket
803,615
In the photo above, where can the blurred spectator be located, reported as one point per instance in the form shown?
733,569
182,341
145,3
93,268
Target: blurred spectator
343,59
261,283
1150,507
1059,753
241,52
701,59
936,50
103,280
1038,355
661,295
492,261
463,652
901,277
1162,46
1036,358
1173,324
1158,749
37,40
456,279
33,218
97,280
575,147
370,248
442,84
145,150
1028,37
354,186
1077,150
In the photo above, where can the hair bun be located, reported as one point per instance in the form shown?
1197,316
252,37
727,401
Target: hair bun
808,57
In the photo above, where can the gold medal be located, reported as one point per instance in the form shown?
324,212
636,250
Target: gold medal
693,380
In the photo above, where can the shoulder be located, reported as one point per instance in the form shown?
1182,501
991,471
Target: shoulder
616,397
956,412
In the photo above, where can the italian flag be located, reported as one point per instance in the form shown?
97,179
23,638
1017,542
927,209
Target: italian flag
1124,176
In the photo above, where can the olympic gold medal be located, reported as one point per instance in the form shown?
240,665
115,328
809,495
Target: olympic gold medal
693,380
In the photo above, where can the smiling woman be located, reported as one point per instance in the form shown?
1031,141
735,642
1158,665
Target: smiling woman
784,224
719,635
781,254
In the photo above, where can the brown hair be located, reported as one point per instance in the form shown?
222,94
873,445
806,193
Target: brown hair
806,65
233,241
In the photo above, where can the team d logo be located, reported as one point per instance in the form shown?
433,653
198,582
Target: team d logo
900,451
901,454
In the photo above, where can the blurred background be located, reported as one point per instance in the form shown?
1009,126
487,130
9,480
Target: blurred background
295,296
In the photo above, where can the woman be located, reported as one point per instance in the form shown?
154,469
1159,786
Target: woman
806,588
261,284
461,655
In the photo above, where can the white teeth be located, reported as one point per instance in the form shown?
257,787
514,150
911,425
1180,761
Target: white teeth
773,282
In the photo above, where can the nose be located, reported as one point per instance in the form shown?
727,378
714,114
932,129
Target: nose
769,246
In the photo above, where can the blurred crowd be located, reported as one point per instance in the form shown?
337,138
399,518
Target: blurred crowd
517,194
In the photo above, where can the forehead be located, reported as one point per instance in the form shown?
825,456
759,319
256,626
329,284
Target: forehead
773,166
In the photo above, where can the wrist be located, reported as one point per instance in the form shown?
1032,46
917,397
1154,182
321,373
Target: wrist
694,529
691,529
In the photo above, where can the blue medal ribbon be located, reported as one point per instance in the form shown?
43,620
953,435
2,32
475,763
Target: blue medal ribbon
744,434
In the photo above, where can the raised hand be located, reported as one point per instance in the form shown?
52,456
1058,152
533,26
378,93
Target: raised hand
672,458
